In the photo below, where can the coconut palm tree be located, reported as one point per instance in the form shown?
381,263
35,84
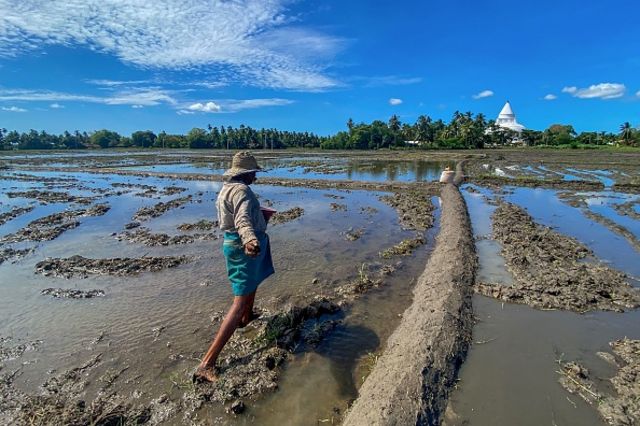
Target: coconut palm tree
626,133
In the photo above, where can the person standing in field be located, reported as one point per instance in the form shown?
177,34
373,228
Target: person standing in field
246,250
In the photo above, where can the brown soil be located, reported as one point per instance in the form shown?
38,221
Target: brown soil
50,227
549,271
621,408
403,248
412,379
71,293
146,213
286,216
13,213
46,197
144,236
78,265
414,207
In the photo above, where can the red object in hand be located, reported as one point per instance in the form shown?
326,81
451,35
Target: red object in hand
267,213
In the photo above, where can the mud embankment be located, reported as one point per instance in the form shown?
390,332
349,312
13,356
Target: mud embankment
533,182
619,408
46,197
146,213
146,237
550,271
13,213
412,379
83,267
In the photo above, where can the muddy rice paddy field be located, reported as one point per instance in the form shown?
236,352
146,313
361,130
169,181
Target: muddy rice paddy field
112,284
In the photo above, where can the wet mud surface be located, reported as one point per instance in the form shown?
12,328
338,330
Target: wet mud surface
146,213
150,191
83,267
286,216
46,197
13,254
620,407
13,213
65,293
50,227
146,237
550,271
202,225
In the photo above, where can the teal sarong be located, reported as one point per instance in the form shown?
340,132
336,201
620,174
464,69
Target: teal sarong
245,272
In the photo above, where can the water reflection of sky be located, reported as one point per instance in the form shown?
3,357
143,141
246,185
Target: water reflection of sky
410,171
546,208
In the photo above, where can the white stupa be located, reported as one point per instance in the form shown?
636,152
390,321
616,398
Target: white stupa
507,119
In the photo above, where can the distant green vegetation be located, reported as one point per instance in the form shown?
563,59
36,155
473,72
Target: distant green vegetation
464,131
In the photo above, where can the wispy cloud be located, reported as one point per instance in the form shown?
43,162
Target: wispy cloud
232,105
56,106
146,97
600,91
395,101
13,109
638,93
483,94
550,97
386,80
248,41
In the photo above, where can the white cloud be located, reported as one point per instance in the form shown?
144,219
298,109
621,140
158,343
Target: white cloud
208,107
483,94
638,94
146,97
395,101
137,106
246,41
600,91
550,97
14,109
56,106
232,105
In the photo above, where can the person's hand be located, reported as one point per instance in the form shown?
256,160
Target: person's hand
252,248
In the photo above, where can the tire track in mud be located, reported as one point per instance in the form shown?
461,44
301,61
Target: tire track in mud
411,381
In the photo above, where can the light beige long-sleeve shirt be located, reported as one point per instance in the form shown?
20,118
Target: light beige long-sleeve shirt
239,211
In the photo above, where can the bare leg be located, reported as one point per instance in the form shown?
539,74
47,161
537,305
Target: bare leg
227,328
247,315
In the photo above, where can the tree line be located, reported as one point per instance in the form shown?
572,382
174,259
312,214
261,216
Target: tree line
463,131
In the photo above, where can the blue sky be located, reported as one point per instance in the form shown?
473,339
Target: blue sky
177,64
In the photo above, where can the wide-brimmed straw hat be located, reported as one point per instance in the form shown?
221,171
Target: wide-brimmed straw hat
243,162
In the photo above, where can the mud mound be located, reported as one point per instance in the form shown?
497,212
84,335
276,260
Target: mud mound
286,216
548,270
150,191
78,265
403,248
144,236
15,212
46,197
71,293
335,207
414,207
202,225
621,408
13,254
50,227
146,213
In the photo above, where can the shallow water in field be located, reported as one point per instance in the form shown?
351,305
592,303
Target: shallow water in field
510,375
163,319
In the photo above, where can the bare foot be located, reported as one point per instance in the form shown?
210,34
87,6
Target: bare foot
254,316
205,374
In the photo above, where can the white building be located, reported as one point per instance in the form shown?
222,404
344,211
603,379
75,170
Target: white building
507,119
